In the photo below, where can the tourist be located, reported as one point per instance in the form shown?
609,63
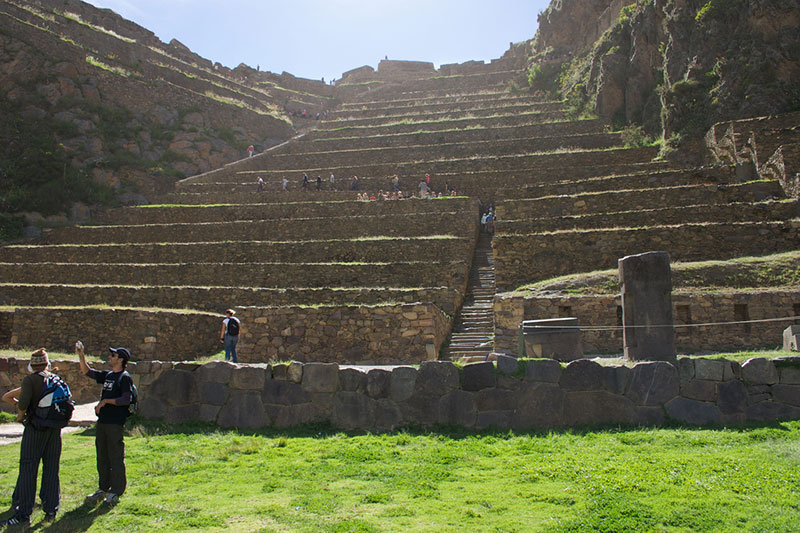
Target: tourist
319,183
112,411
285,183
304,186
484,217
354,186
396,183
229,335
39,445
423,189
250,150
332,182
260,184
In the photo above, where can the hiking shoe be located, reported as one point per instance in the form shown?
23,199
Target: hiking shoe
96,496
18,521
49,517
112,498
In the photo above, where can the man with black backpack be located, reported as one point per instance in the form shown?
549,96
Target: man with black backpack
112,410
41,442
229,335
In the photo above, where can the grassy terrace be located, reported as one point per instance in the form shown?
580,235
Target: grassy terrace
772,271
197,477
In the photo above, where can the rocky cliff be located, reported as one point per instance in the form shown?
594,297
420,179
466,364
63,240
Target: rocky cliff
673,66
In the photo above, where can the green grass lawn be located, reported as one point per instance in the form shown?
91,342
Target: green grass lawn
314,479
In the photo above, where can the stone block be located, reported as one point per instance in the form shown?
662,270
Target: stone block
508,383
295,372
615,379
495,400
506,364
788,394
209,413
402,383
653,383
181,413
421,408
768,411
151,408
597,407
387,415
280,371
244,409
791,338
248,378
759,371
545,371
284,393
458,408
215,371
438,377
731,370
352,380
788,370
213,393
582,375
649,416
693,412
539,405
708,369
379,383
553,338
186,365
353,410
175,387
320,377
494,419
697,389
477,376
731,397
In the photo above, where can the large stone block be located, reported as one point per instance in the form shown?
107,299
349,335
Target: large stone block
320,377
495,400
402,383
791,338
215,371
379,383
284,393
209,413
732,397
615,378
421,408
248,378
759,371
769,410
788,370
352,380
458,408
295,372
352,410
181,413
597,407
709,370
546,371
151,408
387,415
213,393
477,376
175,387
539,405
649,416
553,338
280,371
244,409
686,368
506,364
438,377
654,383
582,375
693,412
788,394
494,419
696,389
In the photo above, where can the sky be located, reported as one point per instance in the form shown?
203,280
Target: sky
324,38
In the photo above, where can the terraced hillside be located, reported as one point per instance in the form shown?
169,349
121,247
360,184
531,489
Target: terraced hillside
317,275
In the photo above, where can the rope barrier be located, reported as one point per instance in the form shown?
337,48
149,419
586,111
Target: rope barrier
702,325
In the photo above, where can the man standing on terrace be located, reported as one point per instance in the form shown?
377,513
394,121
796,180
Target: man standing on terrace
229,335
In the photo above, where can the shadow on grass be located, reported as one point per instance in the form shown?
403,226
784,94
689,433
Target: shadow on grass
78,519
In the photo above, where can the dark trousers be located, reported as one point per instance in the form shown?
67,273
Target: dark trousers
38,445
111,458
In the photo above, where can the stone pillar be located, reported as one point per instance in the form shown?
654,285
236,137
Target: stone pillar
646,284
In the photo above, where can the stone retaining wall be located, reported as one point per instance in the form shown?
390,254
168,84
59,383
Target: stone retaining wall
386,334
521,259
687,309
429,109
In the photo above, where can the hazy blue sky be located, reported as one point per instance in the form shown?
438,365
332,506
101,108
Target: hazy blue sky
324,38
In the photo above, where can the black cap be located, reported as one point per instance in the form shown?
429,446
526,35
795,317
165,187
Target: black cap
121,352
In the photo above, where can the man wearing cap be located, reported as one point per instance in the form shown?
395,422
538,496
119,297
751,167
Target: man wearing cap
112,410
38,445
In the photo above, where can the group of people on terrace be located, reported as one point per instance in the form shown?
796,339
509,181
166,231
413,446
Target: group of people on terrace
425,186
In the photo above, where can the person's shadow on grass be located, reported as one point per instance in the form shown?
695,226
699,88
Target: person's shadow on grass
78,519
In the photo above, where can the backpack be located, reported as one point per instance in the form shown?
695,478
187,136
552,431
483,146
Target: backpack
233,326
55,406
134,405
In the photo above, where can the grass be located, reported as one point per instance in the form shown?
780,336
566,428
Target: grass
55,356
196,477
739,357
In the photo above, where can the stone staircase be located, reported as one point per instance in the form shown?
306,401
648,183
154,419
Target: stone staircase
472,337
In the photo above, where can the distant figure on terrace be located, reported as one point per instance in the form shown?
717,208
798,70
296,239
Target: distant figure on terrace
260,184
285,183
396,183
423,189
305,182
319,183
229,335
332,182
354,186
250,150
428,179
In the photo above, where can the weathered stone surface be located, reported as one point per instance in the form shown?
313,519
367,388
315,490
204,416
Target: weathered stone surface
352,410
244,409
387,415
759,371
546,371
653,383
615,379
582,375
151,408
494,419
352,380
209,413
477,376
732,370
248,378
509,383
215,371
707,369
320,377
495,400
436,376
788,394
295,372
788,370
404,378
649,416
181,413
686,368
458,408
422,408
506,364
696,389
284,393
379,383
693,412
175,387
213,393
280,371
731,397
768,410
539,405
597,407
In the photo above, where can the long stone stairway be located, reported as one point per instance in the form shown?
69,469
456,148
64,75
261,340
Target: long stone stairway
472,336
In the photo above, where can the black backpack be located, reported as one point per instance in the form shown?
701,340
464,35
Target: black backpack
55,406
233,326
134,405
